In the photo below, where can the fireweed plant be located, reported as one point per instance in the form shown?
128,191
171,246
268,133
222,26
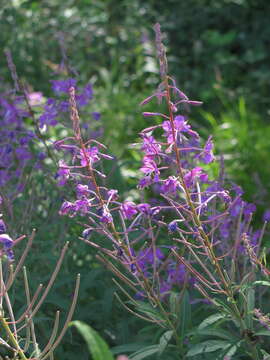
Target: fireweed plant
195,245
210,248
22,152
18,336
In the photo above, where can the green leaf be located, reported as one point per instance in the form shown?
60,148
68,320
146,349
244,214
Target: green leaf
263,333
208,346
164,340
216,333
149,310
185,315
250,307
265,354
96,345
261,282
143,353
211,320
127,348
174,303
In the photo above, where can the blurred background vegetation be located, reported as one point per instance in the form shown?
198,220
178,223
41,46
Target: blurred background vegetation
218,51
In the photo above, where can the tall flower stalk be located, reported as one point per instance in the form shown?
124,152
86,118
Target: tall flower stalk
205,224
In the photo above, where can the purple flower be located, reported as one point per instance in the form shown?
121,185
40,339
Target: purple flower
193,175
144,208
23,153
147,210
170,185
128,208
86,233
147,257
7,244
207,155
236,207
249,209
150,145
224,229
95,115
82,206
67,208
35,98
145,181
172,226
112,194
50,114
180,126
176,274
106,217
85,96
3,227
266,215
63,173
82,191
6,240
149,165
90,156
62,86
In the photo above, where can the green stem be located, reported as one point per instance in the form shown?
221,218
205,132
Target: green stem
12,338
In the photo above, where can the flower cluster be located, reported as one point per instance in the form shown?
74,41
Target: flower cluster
6,242
56,108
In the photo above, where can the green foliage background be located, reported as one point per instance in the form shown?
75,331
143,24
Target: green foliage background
218,51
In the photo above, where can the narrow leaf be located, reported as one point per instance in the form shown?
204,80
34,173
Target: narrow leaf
208,346
211,320
143,353
96,345
164,340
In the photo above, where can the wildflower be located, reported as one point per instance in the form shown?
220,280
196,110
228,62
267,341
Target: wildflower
144,182
149,165
180,126
82,206
176,274
89,156
170,185
207,155
95,115
86,233
128,208
249,209
150,145
67,208
85,96
106,217
35,98
112,194
50,114
193,175
147,257
62,86
172,226
63,173
266,215
7,244
3,228
82,191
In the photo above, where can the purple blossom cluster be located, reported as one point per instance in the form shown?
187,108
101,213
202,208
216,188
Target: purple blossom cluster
55,108
6,242
175,163
16,142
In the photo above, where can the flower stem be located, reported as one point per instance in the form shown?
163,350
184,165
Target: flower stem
12,338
